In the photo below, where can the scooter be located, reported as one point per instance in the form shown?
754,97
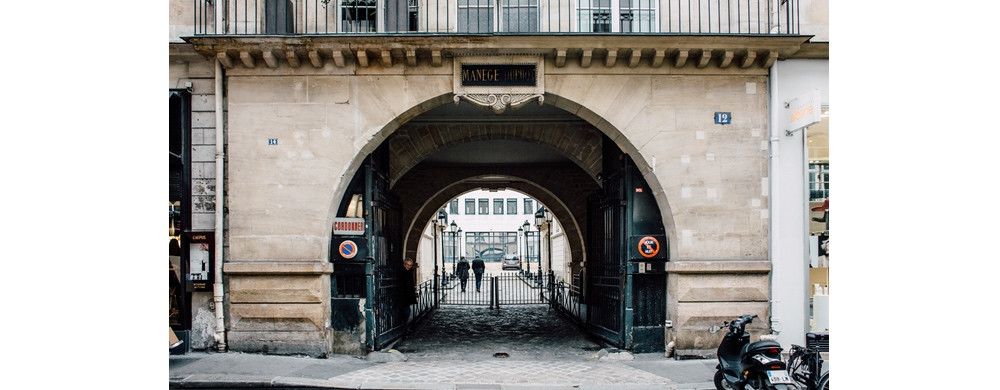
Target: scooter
745,365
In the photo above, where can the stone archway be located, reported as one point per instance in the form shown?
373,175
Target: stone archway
566,198
585,113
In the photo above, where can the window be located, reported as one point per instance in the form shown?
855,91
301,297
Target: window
475,16
519,15
484,206
470,207
638,15
532,246
491,246
511,206
528,206
497,206
453,206
400,15
819,181
594,16
358,15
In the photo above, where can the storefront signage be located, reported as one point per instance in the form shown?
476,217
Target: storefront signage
649,247
723,118
803,111
349,226
201,261
348,249
505,75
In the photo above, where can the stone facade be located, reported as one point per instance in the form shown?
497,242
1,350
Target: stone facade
710,180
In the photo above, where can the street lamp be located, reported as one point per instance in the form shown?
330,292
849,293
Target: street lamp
454,246
440,223
520,257
548,236
539,220
527,256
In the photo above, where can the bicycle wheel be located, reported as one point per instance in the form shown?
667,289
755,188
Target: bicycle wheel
824,382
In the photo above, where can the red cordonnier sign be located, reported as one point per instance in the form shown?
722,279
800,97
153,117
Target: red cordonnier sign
649,247
349,226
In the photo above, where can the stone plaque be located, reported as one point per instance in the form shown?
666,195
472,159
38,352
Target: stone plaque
499,75
499,82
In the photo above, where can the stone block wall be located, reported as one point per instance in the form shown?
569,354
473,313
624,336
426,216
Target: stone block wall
710,180
188,68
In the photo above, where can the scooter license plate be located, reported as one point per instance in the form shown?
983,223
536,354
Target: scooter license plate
779,376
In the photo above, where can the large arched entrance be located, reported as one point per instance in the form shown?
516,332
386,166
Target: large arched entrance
579,171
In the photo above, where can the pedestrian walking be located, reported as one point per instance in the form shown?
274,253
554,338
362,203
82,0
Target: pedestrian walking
463,272
478,267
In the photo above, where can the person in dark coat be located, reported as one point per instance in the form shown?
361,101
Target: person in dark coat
407,288
463,272
478,267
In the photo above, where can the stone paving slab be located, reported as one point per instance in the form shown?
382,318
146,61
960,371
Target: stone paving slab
546,374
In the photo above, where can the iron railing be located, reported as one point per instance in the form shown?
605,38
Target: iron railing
425,299
496,17
568,298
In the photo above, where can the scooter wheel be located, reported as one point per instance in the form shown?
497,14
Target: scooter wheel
720,381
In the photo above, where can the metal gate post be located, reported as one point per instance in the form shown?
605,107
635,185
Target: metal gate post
494,293
552,286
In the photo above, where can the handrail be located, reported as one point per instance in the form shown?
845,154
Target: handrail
495,17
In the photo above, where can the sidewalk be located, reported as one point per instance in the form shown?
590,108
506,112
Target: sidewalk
241,370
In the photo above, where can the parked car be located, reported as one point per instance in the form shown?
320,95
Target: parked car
491,255
510,262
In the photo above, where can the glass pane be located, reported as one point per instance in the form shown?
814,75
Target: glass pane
476,19
520,19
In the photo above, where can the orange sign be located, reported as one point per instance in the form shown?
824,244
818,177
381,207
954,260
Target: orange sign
649,247
348,249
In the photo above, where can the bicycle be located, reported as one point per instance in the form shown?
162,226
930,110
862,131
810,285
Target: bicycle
806,368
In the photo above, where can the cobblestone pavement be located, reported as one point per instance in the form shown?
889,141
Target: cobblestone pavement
476,333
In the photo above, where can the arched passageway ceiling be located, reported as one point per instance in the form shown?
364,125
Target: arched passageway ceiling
574,139
563,187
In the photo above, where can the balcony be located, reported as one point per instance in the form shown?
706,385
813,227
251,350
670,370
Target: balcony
278,18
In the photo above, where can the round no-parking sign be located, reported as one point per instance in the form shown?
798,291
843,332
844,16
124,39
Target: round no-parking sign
649,247
348,249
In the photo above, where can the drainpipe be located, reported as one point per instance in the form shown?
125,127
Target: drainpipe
772,192
218,291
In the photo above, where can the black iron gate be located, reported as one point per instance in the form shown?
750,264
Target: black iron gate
386,316
625,281
606,262
498,290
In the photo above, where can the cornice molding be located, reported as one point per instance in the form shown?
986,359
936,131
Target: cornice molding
408,51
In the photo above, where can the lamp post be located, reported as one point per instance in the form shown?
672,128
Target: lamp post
454,253
520,257
527,255
548,236
439,223
539,220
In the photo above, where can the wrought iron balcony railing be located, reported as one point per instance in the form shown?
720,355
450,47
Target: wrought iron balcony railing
495,17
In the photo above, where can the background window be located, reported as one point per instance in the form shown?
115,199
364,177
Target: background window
594,16
637,15
511,206
453,206
819,181
529,206
470,207
475,16
519,15
484,206
497,206
358,15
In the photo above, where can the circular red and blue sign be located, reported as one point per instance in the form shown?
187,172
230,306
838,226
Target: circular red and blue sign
648,247
348,249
